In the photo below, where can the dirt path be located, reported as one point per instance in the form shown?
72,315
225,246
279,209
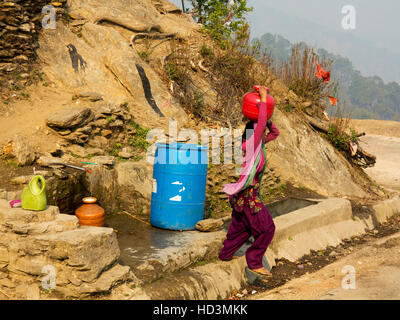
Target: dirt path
377,127
387,151
26,116
377,276
383,140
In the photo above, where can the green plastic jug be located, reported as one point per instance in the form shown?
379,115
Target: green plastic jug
34,196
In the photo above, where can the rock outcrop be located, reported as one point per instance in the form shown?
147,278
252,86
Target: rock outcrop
22,150
70,118
99,58
95,124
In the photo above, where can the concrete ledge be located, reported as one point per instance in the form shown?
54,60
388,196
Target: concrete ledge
317,239
202,246
386,209
326,212
208,282
8,214
312,228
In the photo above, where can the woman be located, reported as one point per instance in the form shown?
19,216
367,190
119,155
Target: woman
249,215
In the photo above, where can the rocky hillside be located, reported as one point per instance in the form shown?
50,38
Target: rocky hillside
102,86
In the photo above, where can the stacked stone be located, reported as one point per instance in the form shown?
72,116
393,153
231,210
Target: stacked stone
97,121
84,260
20,21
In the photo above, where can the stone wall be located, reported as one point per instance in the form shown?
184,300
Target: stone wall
20,22
84,260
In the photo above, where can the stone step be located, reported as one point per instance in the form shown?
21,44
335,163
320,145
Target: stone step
62,222
88,250
8,214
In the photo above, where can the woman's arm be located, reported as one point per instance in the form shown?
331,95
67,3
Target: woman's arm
261,123
273,132
262,119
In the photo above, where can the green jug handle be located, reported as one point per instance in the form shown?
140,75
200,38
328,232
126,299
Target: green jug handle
35,180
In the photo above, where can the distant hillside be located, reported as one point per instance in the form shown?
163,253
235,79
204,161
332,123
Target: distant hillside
365,97
367,52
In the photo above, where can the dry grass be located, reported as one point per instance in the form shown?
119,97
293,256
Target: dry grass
298,73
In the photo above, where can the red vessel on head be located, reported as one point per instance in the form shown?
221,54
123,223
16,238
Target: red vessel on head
249,106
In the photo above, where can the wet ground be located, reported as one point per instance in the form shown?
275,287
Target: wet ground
138,241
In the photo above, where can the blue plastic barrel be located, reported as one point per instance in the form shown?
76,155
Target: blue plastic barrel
179,186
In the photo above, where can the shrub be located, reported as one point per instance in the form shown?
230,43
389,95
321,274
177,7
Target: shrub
213,14
138,141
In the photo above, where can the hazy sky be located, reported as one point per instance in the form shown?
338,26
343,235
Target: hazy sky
376,21
373,46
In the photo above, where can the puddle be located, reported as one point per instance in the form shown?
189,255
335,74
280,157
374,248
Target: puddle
288,205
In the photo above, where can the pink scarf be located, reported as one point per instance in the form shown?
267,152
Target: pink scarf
249,161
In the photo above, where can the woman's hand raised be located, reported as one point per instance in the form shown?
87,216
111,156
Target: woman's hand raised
263,93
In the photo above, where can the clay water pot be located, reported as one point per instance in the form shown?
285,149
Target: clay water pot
90,214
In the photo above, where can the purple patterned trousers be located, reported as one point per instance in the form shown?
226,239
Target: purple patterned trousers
244,224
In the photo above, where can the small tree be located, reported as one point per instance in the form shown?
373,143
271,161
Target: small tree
220,18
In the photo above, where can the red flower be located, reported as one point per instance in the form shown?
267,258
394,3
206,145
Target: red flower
322,74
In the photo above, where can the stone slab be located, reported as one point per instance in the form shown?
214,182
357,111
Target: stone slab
8,214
